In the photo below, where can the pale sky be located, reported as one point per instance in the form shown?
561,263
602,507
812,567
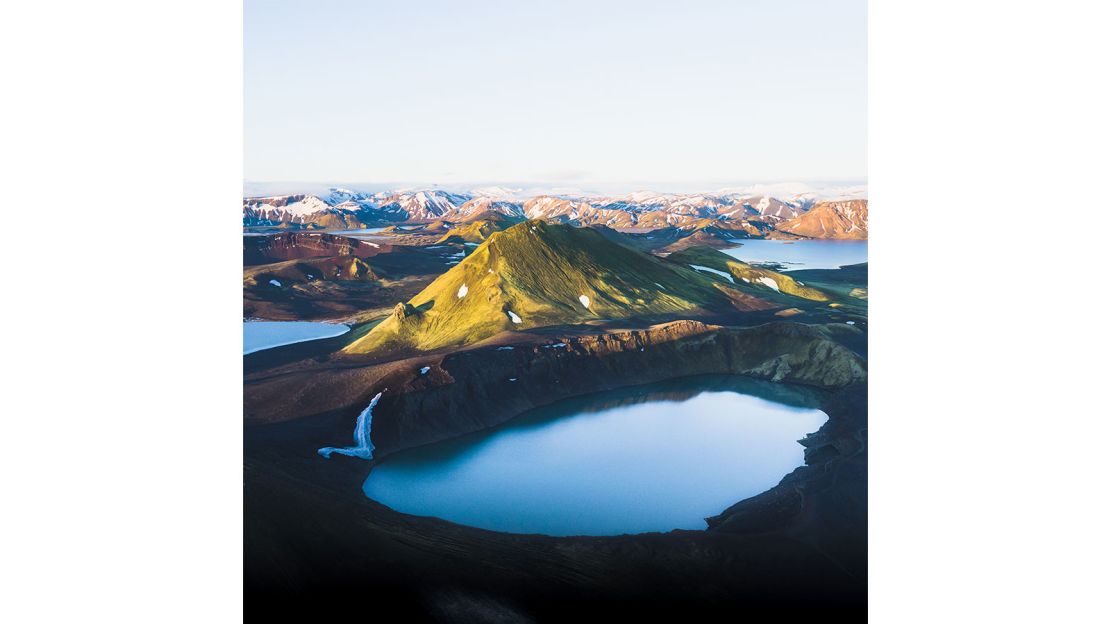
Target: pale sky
643,94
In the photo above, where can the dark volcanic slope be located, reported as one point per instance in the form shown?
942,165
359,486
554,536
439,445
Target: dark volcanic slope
332,277
315,545
298,245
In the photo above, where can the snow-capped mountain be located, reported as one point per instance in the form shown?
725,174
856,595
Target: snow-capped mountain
420,205
841,212
342,196
472,208
291,210
831,219
349,208
496,192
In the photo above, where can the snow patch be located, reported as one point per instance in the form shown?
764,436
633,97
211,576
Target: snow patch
424,370
275,283
514,317
769,283
463,290
698,267
504,348
585,301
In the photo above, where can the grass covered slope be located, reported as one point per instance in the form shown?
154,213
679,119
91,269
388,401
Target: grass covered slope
474,232
536,274
746,273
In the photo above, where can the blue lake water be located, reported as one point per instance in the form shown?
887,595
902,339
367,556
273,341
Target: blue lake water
652,458
259,335
803,254
359,232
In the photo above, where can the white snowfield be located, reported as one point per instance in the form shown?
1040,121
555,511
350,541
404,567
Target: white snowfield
514,317
769,283
424,370
363,448
698,267
275,283
585,301
307,206
463,290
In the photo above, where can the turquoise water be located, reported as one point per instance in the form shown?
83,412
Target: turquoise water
652,458
259,335
804,254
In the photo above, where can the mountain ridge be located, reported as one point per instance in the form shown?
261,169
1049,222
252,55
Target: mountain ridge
756,213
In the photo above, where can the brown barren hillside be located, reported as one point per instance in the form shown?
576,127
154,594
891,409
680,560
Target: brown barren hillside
831,219
300,245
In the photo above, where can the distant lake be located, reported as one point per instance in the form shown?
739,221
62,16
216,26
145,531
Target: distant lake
651,458
802,254
259,335
359,232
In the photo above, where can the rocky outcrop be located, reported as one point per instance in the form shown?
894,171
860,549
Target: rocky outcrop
403,310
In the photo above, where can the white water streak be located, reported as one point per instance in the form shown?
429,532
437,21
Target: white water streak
363,447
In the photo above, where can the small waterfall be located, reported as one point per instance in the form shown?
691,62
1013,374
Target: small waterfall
363,447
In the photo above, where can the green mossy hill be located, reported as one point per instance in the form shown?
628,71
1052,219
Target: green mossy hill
760,278
338,269
474,232
547,274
